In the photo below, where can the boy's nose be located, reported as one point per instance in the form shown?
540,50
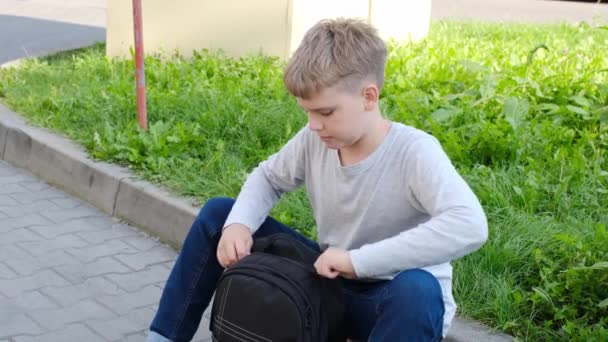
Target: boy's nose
314,125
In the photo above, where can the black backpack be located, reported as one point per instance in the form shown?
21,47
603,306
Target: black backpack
274,294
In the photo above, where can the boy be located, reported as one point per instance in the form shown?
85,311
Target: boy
391,210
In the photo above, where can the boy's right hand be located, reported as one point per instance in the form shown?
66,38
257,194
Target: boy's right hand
235,244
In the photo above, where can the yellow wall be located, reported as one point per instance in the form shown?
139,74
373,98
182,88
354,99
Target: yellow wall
274,27
401,19
306,13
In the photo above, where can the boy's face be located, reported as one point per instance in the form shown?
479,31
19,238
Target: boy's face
339,117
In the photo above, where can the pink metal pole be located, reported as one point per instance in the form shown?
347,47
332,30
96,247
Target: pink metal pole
140,75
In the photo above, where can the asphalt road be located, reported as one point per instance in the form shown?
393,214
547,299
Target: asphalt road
39,27
535,11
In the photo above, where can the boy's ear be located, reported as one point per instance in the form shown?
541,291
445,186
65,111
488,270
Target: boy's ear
370,96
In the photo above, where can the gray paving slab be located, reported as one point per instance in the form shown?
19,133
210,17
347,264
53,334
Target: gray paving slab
73,332
75,273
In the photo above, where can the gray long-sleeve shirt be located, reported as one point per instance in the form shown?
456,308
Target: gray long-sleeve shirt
404,206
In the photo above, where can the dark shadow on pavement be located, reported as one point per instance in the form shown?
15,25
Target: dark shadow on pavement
31,37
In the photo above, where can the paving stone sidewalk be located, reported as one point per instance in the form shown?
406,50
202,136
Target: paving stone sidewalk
69,272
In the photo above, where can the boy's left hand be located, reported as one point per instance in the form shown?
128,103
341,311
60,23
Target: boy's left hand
335,262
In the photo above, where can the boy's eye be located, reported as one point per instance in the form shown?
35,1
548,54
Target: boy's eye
327,112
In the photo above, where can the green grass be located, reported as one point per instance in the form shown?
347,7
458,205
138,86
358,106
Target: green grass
521,110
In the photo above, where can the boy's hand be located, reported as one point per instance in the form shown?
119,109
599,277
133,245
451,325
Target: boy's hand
235,244
335,262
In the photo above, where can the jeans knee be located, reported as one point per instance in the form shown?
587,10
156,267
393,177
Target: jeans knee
417,290
412,307
213,215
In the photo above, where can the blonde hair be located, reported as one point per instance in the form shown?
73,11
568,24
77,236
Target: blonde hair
342,52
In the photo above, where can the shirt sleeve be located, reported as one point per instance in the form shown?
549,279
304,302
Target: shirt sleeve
457,226
282,172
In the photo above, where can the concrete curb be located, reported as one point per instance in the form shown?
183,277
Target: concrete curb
11,64
113,189
466,330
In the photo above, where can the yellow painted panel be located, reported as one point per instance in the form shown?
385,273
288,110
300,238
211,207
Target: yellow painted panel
240,27
236,26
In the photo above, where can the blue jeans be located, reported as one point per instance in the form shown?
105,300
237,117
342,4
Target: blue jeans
406,308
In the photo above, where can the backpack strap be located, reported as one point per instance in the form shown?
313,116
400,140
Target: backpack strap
287,246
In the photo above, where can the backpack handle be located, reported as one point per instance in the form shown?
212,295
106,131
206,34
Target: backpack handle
287,246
